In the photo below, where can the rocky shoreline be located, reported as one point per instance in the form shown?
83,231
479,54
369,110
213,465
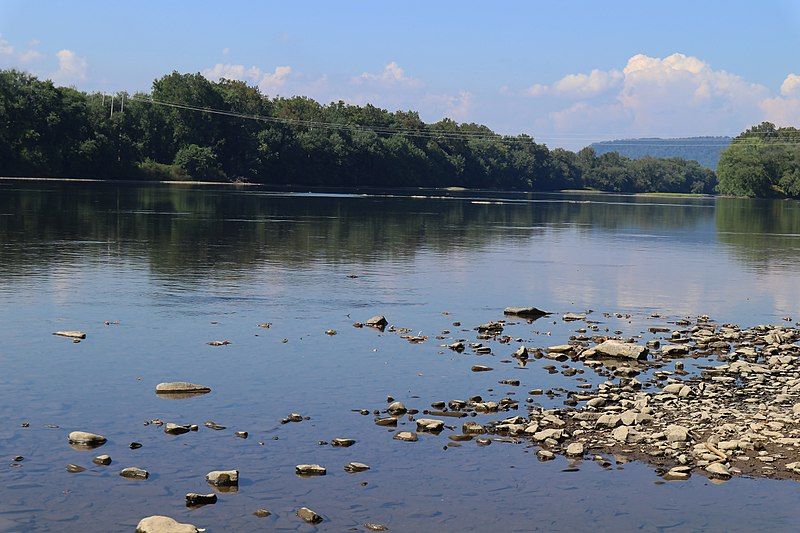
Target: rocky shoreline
687,396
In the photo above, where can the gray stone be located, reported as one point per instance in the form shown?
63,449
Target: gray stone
84,438
164,524
133,472
309,516
310,470
223,478
181,387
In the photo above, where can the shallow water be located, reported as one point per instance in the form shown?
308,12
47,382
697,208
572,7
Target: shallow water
179,266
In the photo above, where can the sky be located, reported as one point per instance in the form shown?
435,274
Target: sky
567,72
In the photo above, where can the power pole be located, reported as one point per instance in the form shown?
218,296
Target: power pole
112,107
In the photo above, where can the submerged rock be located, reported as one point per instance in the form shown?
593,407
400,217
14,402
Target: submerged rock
262,513
375,527
164,524
74,469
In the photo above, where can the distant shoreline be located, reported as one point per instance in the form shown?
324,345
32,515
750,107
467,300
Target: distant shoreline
356,187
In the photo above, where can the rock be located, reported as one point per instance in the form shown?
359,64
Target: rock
525,312
388,421
84,438
457,347
330,332
429,424
676,433
378,321
561,348
262,513
309,516
103,460
194,498
408,436
181,387
673,388
472,428
481,368
223,478
343,443
210,424
310,470
575,449
571,317
491,328
219,343
621,434
618,349
164,524
71,334
375,527
74,469
678,473
133,472
396,408
545,455
176,429
718,470
355,467
135,445
241,434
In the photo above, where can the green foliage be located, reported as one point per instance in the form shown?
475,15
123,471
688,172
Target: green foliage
762,161
55,131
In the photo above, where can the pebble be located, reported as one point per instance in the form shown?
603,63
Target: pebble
194,498
74,469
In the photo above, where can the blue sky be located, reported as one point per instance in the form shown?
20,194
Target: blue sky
567,72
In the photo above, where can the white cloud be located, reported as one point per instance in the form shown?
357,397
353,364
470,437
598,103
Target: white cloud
71,67
677,95
29,55
456,107
392,74
5,47
791,85
268,82
579,85
225,51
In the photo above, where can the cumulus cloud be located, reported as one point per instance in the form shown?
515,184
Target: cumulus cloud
454,106
791,85
29,55
579,85
5,47
392,74
676,95
71,67
268,82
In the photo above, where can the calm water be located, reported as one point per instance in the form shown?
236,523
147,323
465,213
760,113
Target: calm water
181,266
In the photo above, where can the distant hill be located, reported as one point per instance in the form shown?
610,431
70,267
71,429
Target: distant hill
704,150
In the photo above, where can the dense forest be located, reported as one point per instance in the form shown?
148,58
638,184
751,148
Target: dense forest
188,127
763,161
704,150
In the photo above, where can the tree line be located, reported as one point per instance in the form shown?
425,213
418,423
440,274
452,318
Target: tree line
763,161
53,131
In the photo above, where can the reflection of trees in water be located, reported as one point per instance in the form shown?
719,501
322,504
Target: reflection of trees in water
194,230
760,232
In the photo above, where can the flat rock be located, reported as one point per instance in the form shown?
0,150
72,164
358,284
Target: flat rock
355,467
342,443
408,436
84,438
481,368
223,478
575,449
525,312
176,429
619,349
164,524
71,334
718,470
133,472
375,527
181,387
194,498
310,470
429,424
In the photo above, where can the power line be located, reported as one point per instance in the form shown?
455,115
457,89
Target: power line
434,134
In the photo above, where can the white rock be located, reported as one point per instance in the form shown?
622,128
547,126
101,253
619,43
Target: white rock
164,524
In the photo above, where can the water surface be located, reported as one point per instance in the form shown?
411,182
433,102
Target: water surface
179,266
